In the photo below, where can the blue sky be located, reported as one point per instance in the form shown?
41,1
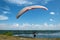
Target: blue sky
32,19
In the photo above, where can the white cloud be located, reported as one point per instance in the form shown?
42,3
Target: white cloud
28,2
5,8
5,12
27,26
45,24
15,25
2,17
43,2
51,19
4,26
52,13
19,2
46,1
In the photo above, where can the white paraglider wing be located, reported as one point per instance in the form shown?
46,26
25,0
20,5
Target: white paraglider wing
29,8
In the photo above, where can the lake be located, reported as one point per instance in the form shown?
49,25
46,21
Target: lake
39,33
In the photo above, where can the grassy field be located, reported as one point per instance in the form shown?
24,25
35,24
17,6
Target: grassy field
5,37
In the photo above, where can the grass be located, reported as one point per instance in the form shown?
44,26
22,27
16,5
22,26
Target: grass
6,37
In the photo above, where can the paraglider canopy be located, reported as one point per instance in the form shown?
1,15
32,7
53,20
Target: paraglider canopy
29,8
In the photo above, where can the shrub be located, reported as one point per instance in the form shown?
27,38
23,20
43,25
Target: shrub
8,33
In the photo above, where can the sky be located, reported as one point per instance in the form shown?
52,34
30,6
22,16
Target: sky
36,19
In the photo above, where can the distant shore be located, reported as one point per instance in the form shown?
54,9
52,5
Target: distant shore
5,37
